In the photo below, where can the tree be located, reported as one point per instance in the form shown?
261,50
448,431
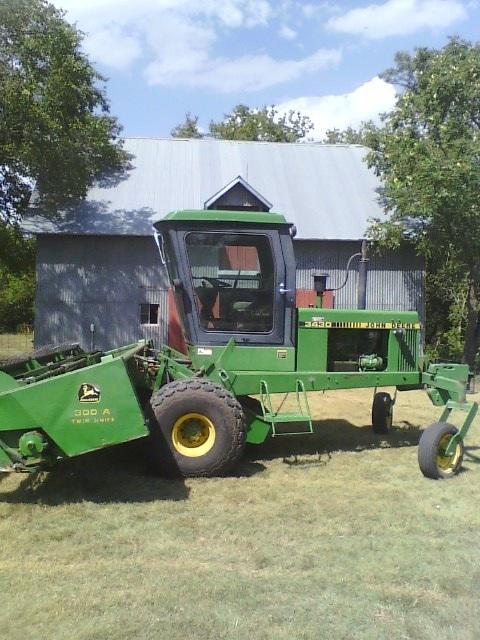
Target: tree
245,123
428,156
56,135
188,128
362,135
264,124
55,129
17,278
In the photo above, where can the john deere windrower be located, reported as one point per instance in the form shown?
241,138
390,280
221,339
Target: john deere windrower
233,277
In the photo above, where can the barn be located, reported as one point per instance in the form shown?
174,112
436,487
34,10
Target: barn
99,277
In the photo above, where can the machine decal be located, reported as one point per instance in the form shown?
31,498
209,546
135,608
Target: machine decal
92,416
317,324
202,351
88,393
281,354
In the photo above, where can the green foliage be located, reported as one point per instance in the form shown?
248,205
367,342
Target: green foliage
427,154
56,135
17,278
188,128
264,124
446,306
362,135
55,129
245,123
16,300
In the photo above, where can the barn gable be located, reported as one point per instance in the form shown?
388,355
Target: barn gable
238,195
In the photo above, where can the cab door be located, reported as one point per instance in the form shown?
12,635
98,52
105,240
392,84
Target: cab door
236,286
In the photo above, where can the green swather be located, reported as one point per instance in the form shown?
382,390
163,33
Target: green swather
233,278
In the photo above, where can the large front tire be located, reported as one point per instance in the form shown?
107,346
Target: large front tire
433,443
197,428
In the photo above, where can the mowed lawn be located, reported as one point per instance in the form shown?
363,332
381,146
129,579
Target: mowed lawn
15,344
333,536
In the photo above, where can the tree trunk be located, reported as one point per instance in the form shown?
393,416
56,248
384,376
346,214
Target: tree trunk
472,333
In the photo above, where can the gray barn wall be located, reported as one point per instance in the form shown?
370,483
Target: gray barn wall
103,280
395,280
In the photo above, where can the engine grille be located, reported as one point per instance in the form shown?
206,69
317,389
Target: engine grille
408,351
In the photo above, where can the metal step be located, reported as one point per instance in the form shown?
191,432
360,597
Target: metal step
285,417
302,415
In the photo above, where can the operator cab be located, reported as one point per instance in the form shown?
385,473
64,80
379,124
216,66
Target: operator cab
233,275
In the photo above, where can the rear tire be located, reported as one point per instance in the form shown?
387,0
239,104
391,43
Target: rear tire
197,428
382,412
431,449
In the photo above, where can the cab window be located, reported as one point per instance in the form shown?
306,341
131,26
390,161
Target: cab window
233,281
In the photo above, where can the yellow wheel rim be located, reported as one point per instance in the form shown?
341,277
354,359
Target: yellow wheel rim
193,435
448,464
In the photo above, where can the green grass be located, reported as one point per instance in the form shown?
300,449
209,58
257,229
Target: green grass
333,536
14,344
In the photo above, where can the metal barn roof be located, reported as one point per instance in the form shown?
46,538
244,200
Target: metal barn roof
327,191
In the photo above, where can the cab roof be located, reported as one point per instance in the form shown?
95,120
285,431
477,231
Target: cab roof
216,216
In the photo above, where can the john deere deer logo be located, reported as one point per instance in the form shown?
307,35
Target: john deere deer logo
88,393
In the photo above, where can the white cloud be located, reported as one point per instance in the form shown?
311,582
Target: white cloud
176,41
341,111
113,47
246,73
310,9
177,46
287,32
398,17
228,12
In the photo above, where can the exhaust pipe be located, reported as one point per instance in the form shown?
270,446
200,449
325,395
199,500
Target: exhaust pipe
362,277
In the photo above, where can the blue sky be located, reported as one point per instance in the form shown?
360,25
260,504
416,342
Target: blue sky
166,57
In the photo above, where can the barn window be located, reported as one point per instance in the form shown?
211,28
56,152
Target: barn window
149,313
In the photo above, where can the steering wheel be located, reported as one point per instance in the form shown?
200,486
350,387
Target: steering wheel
218,284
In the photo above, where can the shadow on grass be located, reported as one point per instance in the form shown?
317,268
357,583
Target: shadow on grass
116,475
246,468
332,436
471,457
120,474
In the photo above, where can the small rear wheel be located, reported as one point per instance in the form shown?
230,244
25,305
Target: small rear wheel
432,459
197,428
382,412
